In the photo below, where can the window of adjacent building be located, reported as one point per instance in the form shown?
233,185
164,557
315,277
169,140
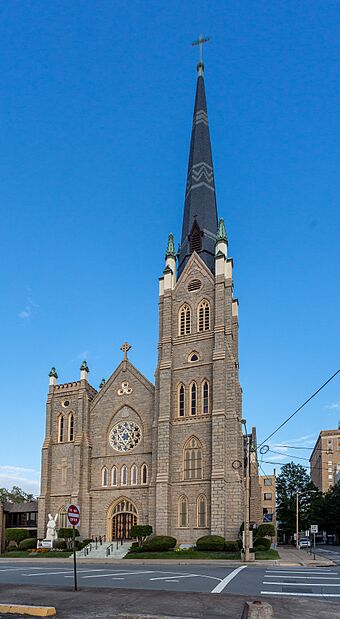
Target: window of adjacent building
62,519
201,511
205,397
203,316
144,474
181,401
133,475
193,357
105,479
267,482
183,520
193,399
184,327
114,476
268,496
61,429
123,476
71,427
193,459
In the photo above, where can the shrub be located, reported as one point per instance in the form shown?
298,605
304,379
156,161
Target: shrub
230,546
87,541
12,545
16,535
60,544
260,548
160,543
262,541
137,548
239,544
28,543
210,542
141,531
66,533
264,530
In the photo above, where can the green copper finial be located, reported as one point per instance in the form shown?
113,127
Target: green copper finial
102,383
53,373
84,366
170,250
221,233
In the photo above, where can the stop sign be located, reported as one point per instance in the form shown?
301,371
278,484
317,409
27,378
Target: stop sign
73,515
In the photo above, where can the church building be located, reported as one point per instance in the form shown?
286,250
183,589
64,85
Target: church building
168,454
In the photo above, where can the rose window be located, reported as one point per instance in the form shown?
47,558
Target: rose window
125,436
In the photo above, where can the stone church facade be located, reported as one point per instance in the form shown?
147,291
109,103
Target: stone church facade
170,454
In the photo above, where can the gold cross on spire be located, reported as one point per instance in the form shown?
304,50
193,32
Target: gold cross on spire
200,42
125,348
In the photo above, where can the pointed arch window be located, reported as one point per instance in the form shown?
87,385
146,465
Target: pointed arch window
105,476
62,518
181,400
123,476
195,239
183,517
205,398
193,399
144,474
184,326
133,475
193,459
201,511
61,423
114,476
71,427
203,316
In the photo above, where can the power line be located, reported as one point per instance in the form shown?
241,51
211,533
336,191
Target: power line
300,407
288,455
315,468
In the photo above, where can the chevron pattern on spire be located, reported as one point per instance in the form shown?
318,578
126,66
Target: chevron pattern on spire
200,212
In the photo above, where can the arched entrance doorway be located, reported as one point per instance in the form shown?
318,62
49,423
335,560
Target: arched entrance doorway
123,516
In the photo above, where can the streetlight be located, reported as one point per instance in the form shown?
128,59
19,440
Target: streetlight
297,513
247,497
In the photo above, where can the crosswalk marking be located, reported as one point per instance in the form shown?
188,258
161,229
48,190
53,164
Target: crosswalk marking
300,584
298,594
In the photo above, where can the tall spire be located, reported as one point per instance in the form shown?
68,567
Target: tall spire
200,212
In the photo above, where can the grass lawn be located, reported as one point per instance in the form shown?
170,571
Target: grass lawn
184,554
200,554
20,554
267,554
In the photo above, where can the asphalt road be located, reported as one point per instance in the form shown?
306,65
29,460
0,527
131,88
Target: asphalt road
330,552
246,580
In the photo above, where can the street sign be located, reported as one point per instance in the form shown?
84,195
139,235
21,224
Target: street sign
267,517
73,515
313,528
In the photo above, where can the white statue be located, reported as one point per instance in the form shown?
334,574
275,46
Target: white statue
51,532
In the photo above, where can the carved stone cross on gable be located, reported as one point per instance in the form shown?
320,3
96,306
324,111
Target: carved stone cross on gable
125,348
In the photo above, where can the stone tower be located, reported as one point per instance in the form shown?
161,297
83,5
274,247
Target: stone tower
199,487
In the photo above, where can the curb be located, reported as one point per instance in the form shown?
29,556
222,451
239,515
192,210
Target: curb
35,611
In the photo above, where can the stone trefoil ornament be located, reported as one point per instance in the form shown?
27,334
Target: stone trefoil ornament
125,389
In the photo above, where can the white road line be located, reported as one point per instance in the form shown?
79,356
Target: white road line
305,577
302,584
299,572
121,574
319,595
11,569
57,573
172,581
227,579
185,576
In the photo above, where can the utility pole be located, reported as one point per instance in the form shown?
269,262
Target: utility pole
297,520
247,503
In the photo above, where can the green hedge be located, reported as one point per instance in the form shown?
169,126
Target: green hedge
16,535
210,542
262,541
60,544
159,543
231,546
264,530
28,543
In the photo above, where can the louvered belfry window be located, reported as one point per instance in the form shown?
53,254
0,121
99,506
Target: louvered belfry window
204,316
185,320
195,239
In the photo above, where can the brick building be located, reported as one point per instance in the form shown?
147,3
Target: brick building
325,459
18,516
161,454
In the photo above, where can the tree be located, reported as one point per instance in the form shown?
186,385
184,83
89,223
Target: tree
141,531
292,479
330,517
66,533
16,495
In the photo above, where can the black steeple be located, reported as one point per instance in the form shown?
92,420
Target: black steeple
200,211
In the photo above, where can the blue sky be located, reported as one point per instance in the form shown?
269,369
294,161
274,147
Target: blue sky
96,109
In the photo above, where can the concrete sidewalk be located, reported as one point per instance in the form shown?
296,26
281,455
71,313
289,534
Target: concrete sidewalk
109,603
289,555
